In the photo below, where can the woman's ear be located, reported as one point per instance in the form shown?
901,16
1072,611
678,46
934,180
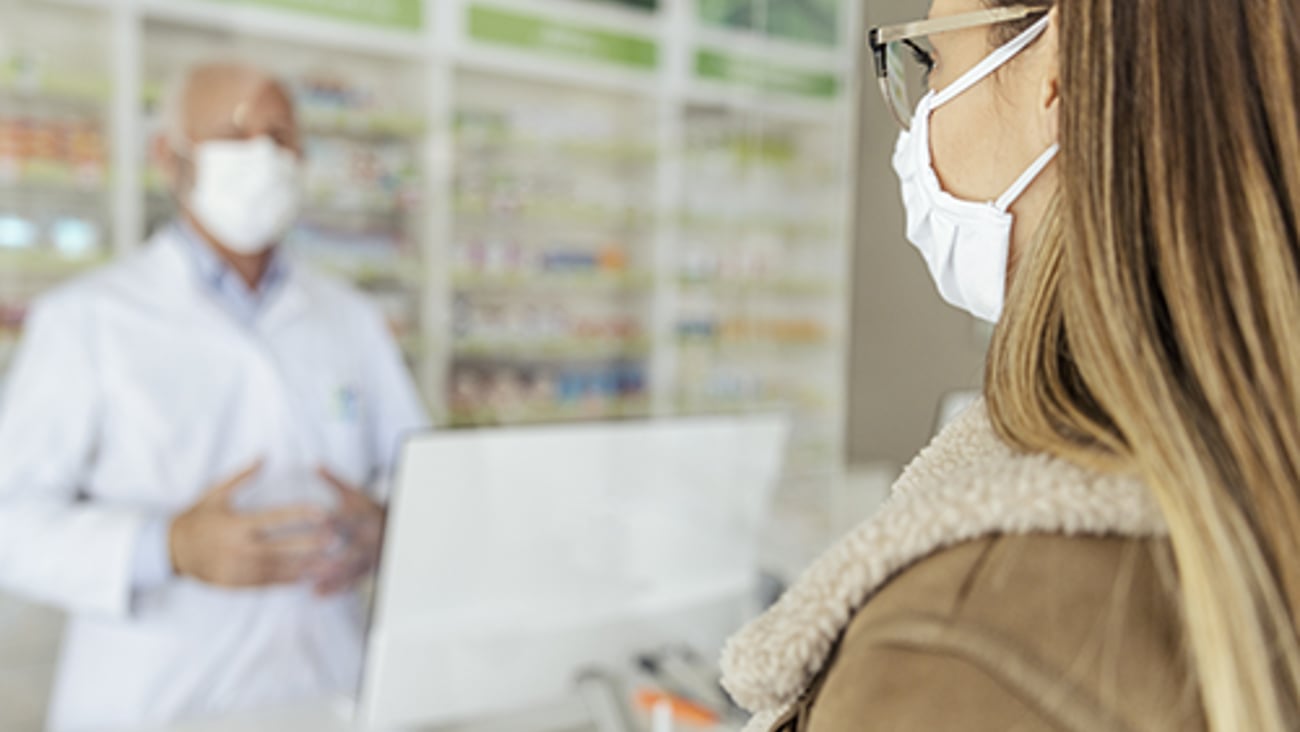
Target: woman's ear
1050,89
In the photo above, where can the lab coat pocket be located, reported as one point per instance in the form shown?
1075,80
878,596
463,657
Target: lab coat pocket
346,448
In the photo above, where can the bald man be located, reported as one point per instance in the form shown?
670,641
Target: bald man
193,442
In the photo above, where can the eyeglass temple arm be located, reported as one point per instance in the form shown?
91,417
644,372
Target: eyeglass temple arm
904,31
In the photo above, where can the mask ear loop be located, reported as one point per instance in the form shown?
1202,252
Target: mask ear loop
992,62
185,174
1027,178
183,150
983,70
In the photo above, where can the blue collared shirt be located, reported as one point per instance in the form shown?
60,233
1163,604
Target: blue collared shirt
224,284
153,564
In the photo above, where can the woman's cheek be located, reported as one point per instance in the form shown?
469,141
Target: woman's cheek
961,137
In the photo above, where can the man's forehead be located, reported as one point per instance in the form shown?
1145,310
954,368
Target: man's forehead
222,95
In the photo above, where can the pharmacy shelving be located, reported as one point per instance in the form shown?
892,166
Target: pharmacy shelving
761,290
55,156
569,209
552,243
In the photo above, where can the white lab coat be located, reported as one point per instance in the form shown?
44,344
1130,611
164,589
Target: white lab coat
131,394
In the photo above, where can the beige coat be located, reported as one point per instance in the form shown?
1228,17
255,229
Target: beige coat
995,591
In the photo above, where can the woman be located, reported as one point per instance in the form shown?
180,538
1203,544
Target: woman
1109,542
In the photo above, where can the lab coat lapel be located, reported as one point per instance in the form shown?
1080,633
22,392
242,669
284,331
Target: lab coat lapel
177,282
286,309
182,292
287,305
178,287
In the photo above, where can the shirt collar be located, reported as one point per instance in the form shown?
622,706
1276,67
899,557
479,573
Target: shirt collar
216,274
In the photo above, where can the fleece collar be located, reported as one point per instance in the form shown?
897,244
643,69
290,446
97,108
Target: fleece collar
966,485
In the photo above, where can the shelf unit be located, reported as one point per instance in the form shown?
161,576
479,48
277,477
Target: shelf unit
582,209
56,169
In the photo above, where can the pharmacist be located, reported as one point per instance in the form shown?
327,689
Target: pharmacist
191,442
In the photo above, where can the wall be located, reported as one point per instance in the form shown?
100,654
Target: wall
29,638
908,346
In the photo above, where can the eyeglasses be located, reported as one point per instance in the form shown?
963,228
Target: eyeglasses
904,59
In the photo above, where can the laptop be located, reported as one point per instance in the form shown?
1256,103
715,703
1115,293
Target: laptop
516,559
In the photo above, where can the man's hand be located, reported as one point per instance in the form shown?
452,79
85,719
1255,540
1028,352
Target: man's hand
358,523
217,545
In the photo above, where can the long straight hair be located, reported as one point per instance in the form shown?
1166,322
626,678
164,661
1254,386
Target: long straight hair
1154,326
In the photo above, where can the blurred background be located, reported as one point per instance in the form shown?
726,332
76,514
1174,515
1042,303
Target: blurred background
570,210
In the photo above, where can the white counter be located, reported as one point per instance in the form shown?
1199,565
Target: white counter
567,717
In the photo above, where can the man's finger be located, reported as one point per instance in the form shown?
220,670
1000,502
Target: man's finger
310,545
338,484
224,491
289,519
332,586
339,577
285,570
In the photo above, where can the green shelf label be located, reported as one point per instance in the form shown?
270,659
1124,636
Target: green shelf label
396,14
577,42
760,74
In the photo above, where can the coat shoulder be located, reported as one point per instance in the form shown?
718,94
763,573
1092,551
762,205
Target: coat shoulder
1028,632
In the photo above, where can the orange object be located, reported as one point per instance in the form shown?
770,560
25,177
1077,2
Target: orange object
612,259
684,711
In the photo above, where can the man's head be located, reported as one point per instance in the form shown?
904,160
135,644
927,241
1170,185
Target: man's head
230,152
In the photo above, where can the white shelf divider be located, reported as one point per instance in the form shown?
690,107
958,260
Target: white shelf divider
440,162
125,125
675,49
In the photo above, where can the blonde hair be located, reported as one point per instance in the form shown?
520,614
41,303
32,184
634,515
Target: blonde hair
1155,326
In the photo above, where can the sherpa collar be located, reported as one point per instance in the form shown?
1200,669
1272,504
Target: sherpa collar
966,485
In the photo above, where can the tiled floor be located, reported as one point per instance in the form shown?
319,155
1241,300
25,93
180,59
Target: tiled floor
29,638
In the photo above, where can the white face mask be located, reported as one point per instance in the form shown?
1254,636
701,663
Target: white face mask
965,244
246,193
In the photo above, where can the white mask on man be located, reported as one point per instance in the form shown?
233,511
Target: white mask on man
247,193
965,244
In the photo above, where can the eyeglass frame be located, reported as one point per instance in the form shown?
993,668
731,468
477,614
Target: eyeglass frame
880,37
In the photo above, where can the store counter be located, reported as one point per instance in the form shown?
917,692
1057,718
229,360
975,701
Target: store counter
565,717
